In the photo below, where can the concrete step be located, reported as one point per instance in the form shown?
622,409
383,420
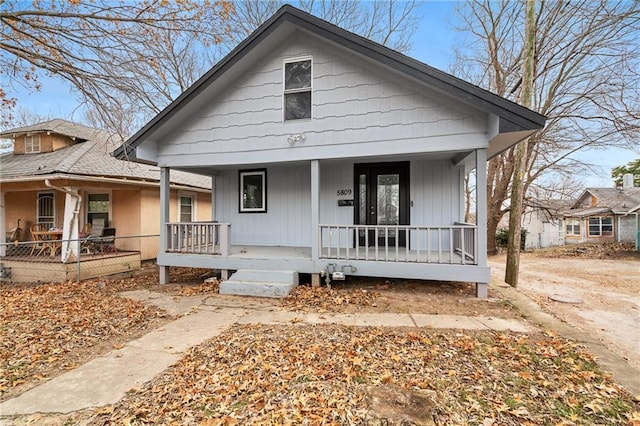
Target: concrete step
260,283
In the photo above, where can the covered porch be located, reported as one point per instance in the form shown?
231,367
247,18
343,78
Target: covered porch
409,249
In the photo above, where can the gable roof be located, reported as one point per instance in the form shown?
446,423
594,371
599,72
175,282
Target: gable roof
89,157
513,117
608,200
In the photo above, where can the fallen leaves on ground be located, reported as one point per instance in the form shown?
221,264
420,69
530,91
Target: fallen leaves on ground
607,250
322,299
49,328
333,374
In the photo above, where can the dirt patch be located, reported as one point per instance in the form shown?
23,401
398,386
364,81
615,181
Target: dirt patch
609,290
359,294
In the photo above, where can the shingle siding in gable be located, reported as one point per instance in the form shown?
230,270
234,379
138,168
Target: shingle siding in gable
352,103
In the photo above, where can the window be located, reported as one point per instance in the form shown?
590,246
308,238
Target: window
98,207
297,89
186,208
573,227
600,226
47,209
253,191
31,144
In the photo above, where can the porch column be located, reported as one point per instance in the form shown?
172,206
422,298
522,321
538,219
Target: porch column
213,198
481,216
165,198
3,227
315,208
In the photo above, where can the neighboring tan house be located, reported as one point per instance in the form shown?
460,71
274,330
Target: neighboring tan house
605,215
62,174
331,154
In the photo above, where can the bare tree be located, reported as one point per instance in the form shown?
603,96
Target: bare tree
586,82
96,46
388,22
128,60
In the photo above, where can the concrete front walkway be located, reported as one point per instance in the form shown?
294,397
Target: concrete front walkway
106,379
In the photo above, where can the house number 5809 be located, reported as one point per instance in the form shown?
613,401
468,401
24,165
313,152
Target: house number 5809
343,192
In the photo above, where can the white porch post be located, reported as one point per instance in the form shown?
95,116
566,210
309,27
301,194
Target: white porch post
3,227
315,209
481,216
165,198
213,198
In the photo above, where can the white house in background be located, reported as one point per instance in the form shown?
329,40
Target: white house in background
330,153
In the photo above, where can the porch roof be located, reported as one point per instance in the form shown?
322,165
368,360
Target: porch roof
514,121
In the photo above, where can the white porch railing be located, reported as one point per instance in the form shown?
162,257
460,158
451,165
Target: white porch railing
199,237
402,243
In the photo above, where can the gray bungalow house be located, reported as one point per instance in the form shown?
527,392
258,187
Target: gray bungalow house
330,155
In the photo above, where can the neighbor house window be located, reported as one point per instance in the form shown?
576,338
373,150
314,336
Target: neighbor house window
253,191
186,208
573,227
600,226
98,207
31,144
47,209
297,89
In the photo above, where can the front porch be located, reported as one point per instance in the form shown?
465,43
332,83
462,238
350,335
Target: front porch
436,253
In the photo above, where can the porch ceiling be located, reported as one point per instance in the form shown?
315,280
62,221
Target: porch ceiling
213,170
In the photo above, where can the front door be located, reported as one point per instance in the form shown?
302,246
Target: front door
382,198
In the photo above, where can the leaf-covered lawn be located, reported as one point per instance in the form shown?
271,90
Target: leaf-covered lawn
344,375
49,328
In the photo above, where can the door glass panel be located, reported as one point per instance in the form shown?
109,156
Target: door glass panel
388,199
362,213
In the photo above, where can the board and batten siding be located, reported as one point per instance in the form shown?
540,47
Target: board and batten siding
288,217
435,190
358,109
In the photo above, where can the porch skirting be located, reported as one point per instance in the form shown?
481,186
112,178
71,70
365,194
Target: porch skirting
303,264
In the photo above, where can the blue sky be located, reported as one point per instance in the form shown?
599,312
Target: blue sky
433,44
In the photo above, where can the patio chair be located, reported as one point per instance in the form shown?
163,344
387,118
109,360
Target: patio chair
107,242
38,236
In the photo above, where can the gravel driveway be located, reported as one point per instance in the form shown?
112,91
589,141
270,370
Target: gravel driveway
608,289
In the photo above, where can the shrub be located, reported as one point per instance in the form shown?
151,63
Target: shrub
502,238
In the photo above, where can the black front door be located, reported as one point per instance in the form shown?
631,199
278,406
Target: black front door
382,198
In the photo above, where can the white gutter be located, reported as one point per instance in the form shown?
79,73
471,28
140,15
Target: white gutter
122,181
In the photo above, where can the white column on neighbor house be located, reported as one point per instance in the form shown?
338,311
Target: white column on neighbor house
70,224
481,205
165,199
315,209
3,227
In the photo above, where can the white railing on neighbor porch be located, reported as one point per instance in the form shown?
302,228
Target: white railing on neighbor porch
422,244
199,237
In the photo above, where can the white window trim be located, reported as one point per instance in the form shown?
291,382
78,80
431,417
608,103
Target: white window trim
600,234
259,172
302,90
194,205
31,144
85,214
572,223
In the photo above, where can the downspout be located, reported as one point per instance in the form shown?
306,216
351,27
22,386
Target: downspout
66,247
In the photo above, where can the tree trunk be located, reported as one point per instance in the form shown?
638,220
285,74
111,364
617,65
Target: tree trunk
521,158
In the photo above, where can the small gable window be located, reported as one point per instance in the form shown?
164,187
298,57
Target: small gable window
31,144
297,89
